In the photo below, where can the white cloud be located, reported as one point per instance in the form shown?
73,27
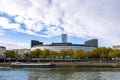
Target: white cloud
5,23
81,18
12,45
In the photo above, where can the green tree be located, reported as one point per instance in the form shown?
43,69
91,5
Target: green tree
46,53
87,54
62,53
101,52
118,53
79,54
70,52
35,53
10,54
26,55
112,54
53,54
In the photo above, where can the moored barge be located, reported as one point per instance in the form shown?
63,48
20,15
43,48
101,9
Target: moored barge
32,65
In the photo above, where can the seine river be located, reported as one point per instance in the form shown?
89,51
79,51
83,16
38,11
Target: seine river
61,74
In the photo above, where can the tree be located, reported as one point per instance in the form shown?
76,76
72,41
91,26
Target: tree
53,54
10,54
62,53
46,53
26,55
70,52
88,54
101,52
79,54
112,54
118,53
36,53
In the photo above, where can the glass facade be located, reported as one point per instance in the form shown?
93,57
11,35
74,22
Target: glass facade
58,48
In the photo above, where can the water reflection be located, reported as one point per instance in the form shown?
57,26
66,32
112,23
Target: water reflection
61,74
74,74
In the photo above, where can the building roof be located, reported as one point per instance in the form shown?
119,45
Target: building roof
2,47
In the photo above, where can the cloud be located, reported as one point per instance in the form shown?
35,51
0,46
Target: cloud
11,45
46,18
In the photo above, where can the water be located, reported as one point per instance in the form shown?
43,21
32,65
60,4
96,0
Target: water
61,74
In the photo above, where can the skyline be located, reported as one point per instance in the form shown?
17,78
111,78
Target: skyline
45,20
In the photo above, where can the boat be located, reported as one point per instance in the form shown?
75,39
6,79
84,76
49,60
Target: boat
32,65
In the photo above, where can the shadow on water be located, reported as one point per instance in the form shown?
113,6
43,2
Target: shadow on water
68,70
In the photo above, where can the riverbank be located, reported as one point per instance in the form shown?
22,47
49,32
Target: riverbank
87,65
79,64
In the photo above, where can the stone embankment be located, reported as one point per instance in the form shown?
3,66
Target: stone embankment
87,65
79,64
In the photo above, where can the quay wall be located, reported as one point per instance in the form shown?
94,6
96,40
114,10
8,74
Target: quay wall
79,65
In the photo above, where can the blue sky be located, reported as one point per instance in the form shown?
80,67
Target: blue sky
45,20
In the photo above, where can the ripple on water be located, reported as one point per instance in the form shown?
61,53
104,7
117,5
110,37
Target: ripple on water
60,74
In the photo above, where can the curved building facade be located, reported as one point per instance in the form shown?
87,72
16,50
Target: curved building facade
87,46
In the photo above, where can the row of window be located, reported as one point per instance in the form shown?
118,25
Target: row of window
58,48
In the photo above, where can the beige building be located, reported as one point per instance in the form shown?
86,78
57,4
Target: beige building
21,51
116,47
2,50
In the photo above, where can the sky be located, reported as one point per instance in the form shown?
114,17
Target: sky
45,20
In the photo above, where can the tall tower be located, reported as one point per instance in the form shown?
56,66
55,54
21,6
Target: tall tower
64,38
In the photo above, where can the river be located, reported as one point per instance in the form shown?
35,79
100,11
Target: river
61,74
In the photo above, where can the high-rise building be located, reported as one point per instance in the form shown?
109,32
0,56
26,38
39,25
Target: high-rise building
64,38
35,42
92,42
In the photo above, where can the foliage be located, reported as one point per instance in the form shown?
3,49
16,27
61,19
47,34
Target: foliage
26,55
101,52
112,54
62,53
35,54
98,53
53,54
79,54
69,52
10,54
46,53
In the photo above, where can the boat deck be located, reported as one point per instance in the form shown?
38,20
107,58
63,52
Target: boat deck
32,65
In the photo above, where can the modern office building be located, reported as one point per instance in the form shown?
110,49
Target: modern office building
92,42
64,45
34,43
